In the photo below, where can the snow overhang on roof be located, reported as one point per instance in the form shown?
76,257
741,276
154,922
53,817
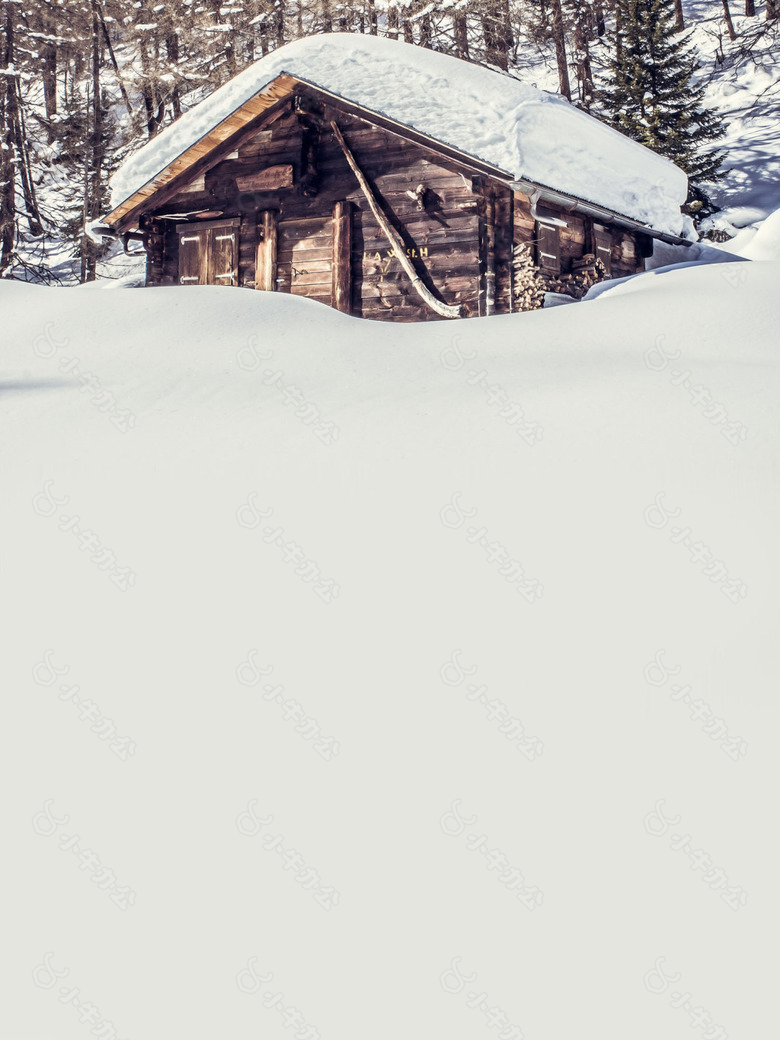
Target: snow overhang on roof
496,124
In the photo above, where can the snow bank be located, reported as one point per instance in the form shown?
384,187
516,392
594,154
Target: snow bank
416,436
765,243
514,126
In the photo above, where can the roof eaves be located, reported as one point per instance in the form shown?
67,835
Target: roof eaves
591,209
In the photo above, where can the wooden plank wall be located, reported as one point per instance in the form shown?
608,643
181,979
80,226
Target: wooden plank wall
304,261
460,231
444,236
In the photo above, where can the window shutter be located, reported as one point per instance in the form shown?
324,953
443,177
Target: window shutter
192,258
548,248
208,252
602,246
222,255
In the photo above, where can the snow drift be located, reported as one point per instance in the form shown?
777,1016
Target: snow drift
425,497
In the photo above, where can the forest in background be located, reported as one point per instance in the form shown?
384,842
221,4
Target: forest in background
85,82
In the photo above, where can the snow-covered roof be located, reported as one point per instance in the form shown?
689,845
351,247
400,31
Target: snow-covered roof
526,132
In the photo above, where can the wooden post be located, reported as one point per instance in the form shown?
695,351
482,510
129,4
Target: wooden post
342,257
265,262
393,237
490,249
154,244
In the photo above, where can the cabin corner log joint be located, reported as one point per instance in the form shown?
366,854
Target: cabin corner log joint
309,194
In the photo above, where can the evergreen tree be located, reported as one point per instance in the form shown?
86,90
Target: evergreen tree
650,96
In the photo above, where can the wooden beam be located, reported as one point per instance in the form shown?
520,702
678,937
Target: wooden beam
490,249
265,260
393,236
342,257
154,244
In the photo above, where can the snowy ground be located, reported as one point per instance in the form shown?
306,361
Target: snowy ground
621,590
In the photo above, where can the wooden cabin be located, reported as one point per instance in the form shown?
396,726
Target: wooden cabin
302,191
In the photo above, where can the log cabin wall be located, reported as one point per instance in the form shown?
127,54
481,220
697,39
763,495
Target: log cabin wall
456,226
304,226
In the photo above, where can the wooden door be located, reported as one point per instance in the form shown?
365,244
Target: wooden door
193,247
208,253
305,258
223,255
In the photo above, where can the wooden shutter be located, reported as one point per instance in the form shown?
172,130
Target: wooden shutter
208,252
602,246
548,248
193,245
222,255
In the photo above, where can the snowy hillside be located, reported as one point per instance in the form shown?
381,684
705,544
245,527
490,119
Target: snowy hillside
522,634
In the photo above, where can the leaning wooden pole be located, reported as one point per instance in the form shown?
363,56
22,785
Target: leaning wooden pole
394,238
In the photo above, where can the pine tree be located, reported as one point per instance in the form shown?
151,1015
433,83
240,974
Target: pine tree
650,94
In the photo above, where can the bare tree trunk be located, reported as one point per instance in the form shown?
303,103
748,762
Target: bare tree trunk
426,28
172,50
279,22
560,48
584,67
497,32
679,19
406,23
729,23
750,8
7,143
601,23
460,32
772,10
94,192
24,167
49,77
392,21
372,20
114,62
147,90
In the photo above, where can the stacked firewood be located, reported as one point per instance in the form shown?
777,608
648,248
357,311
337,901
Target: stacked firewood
529,286
585,273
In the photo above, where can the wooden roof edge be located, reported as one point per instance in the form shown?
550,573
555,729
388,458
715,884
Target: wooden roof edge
544,193
140,195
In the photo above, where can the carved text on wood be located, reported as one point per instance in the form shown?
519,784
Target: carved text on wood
267,180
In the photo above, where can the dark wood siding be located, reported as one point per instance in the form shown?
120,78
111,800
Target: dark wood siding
459,229
440,225
305,257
